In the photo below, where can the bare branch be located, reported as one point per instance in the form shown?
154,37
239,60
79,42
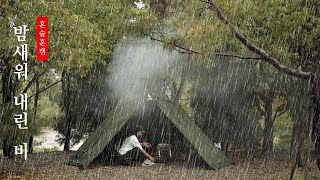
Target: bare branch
45,89
182,52
31,82
278,110
185,50
235,56
281,113
178,46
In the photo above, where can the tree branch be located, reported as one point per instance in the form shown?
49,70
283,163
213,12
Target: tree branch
188,51
281,68
45,89
260,52
31,82
185,50
281,113
278,110
235,56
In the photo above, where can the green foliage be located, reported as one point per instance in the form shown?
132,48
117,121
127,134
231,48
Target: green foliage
82,35
283,132
9,128
289,30
83,40
48,112
73,40
224,103
88,105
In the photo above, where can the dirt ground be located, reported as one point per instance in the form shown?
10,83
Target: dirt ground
52,166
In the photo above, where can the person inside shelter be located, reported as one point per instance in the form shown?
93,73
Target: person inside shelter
131,145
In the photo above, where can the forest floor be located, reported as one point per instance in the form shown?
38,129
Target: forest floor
245,166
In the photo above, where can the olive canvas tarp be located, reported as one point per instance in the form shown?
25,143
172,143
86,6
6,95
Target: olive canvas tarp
212,155
105,132
97,141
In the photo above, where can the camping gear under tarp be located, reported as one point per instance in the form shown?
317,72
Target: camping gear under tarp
211,154
163,153
98,140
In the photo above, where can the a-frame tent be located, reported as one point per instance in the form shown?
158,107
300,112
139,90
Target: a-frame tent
117,118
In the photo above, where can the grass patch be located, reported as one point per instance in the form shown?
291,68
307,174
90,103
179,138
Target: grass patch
45,150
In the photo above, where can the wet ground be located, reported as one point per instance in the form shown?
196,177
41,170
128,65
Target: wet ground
52,166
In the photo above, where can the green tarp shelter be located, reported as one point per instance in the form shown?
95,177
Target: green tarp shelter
117,118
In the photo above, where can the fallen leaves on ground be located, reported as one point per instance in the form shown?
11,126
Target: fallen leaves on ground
245,166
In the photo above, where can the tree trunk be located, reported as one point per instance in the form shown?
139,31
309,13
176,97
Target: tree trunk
267,145
8,149
299,158
312,128
30,144
7,146
67,138
66,108
296,131
318,161
36,97
305,131
224,147
268,130
316,121
6,85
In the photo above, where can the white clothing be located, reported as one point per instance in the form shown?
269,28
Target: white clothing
147,162
130,143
